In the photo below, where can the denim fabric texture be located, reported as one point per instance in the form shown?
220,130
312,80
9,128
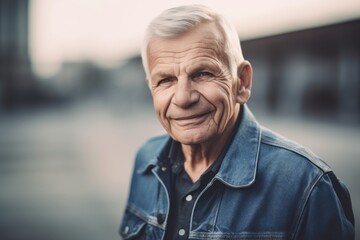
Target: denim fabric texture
267,187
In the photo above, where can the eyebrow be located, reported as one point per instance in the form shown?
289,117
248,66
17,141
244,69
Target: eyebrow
161,75
201,66
191,68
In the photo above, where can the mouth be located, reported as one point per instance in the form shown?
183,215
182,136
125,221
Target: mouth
190,116
191,119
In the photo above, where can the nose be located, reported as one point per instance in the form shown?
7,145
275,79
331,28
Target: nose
185,95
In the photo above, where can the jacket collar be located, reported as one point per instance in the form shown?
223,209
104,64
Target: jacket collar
238,168
239,165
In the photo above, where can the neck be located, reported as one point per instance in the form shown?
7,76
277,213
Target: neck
199,157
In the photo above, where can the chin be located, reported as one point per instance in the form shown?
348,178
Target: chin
192,138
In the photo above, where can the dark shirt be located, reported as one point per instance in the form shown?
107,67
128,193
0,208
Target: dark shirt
183,193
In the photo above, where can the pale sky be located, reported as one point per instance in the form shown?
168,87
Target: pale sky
107,31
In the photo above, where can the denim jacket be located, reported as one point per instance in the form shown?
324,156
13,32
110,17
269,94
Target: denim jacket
268,187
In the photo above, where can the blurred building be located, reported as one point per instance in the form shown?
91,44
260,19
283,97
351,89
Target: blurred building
313,71
17,83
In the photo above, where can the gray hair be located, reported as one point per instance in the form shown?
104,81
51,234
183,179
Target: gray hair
175,21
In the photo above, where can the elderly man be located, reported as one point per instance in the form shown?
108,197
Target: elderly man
218,174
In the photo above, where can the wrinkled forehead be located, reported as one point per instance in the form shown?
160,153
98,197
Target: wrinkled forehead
205,39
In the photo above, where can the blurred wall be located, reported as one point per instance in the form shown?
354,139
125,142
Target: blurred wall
313,72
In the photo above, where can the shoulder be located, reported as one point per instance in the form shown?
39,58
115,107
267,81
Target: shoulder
284,149
303,176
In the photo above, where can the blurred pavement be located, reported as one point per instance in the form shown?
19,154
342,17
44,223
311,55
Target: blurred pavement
64,172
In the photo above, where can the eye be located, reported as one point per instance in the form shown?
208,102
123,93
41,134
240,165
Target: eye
202,75
166,81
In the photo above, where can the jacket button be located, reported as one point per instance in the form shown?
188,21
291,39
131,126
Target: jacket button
126,230
160,218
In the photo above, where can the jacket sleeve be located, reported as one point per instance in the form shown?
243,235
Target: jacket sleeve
327,213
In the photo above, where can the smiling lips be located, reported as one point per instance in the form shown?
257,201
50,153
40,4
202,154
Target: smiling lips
192,119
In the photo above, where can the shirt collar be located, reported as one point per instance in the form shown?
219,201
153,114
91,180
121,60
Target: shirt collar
176,160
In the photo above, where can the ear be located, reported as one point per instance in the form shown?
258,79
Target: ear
244,74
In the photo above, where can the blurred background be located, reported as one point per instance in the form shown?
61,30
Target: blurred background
74,106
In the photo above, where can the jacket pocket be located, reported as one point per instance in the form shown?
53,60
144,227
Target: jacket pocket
132,227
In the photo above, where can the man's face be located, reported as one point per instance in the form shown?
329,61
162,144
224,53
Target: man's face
192,86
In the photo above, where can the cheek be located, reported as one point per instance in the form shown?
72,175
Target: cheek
219,94
221,97
161,103
158,107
